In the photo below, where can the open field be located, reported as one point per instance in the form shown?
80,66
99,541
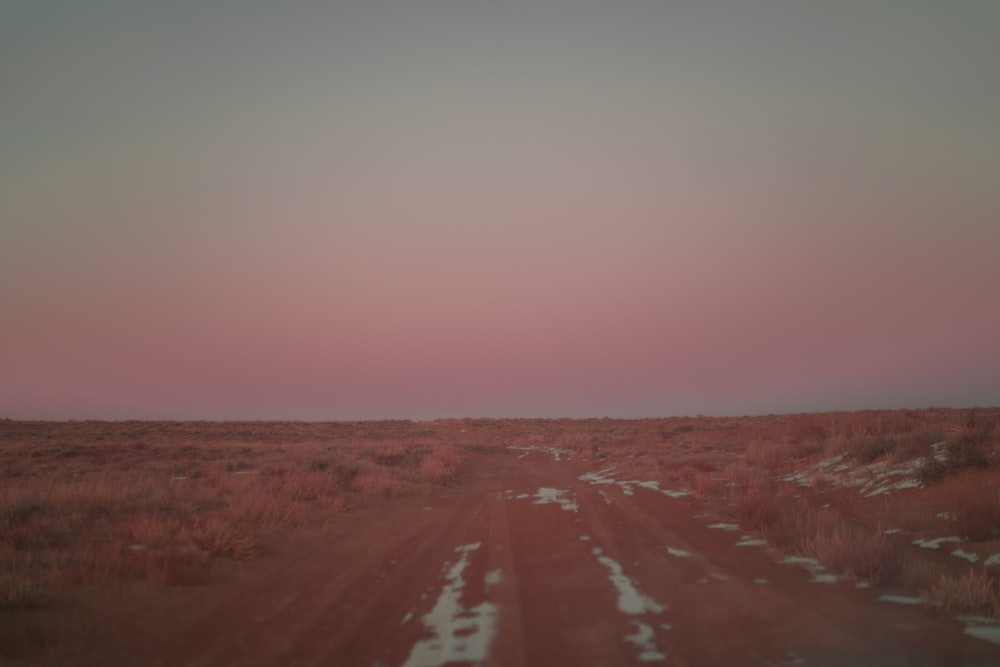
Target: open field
778,540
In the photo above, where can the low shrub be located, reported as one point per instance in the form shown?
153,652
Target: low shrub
975,592
760,511
18,592
858,551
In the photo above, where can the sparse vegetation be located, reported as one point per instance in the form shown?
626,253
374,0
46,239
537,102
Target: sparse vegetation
973,592
96,503
93,503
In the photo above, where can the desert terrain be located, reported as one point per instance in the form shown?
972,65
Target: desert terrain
864,538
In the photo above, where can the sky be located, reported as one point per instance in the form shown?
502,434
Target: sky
420,210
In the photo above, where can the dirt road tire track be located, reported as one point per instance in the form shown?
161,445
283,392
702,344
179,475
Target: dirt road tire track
590,585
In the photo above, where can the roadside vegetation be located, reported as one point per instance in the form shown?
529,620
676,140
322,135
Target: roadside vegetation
91,503
865,493
120,504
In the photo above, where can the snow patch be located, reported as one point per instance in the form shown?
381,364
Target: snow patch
813,566
873,479
724,526
555,452
633,602
936,542
547,495
971,557
644,638
627,486
460,635
990,633
901,599
630,600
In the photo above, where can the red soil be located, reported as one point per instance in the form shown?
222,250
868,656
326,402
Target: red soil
342,595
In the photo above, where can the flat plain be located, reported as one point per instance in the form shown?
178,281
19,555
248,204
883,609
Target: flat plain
813,539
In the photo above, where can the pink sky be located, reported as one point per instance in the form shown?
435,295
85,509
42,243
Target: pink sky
272,223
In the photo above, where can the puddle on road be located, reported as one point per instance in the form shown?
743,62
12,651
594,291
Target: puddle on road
460,635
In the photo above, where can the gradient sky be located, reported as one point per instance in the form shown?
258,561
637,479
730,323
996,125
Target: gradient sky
358,210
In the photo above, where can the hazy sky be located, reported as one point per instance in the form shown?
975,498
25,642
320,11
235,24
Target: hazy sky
354,210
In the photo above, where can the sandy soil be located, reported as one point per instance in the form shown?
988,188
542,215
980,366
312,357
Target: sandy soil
523,563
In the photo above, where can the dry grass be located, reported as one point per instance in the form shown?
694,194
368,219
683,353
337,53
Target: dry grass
858,552
18,592
975,592
98,503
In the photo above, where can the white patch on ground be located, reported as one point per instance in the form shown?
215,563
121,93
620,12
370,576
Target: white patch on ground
972,558
460,635
666,626
606,497
492,578
724,526
945,516
644,639
761,581
633,602
547,496
901,599
936,542
990,633
873,479
863,584
555,452
407,618
992,560
679,553
627,486
585,538
890,531
813,566
630,600
718,576
751,541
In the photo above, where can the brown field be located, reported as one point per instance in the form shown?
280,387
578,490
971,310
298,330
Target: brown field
327,543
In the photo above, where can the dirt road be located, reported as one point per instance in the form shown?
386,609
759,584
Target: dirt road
532,560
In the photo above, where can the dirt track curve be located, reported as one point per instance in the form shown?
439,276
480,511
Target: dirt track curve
525,563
